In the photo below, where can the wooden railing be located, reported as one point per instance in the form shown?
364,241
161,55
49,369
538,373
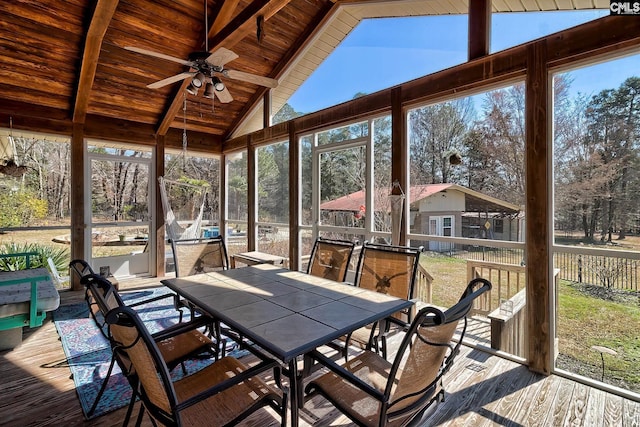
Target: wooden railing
423,286
506,305
508,326
507,280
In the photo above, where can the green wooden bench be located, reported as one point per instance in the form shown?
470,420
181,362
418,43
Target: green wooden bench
25,298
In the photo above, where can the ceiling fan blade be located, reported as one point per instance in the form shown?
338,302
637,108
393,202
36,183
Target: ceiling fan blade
252,78
224,96
159,55
170,80
221,56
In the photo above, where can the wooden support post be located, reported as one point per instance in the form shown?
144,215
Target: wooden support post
267,114
252,196
224,201
399,150
78,157
159,222
538,141
294,198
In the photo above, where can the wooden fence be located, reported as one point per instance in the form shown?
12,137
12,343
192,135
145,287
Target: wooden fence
608,271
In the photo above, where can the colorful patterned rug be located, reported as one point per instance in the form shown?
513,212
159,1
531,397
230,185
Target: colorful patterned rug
88,352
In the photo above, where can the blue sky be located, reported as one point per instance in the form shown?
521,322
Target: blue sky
381,53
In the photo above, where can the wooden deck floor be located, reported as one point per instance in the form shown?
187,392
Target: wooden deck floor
482,390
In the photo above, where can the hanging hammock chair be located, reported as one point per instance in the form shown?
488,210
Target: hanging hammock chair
8,165
174,230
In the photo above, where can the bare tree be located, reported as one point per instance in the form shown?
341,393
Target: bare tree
436,131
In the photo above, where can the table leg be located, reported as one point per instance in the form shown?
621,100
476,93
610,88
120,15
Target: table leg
295,384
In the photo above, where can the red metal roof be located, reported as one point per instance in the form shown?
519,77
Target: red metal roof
474,200
353,201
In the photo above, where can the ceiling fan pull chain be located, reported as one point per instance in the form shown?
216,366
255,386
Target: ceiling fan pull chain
184,132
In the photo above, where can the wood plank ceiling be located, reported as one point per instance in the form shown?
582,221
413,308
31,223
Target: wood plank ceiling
65,62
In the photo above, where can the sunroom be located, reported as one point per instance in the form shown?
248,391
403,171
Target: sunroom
93,141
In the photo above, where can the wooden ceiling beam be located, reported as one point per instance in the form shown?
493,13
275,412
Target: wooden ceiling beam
283,65
479,28
231,33
245,22
99,23
223,17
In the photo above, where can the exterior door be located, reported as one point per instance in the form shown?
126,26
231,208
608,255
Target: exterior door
441,226
119,222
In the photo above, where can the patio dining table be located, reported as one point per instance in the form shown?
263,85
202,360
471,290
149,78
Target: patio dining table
287,313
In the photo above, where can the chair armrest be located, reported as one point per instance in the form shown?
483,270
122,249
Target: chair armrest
220,387
182,327
346,374
158,298
35,319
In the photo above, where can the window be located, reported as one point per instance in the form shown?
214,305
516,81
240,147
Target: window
596,247
507,28
466,166
273,199
237,202
34,196
345,180
197,179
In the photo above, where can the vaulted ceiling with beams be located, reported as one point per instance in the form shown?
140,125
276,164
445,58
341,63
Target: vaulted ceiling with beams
66,63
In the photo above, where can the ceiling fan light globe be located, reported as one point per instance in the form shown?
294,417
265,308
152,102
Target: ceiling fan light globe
191,89
208,91
217,84
198,80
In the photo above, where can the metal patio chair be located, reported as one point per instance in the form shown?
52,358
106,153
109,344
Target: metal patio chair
372,391
330,258
220,394
389,270
176,343
195,256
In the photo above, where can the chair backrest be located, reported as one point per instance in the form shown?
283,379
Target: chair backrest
101,297
131,341
330,258
81,267
388,269
431,352
194,256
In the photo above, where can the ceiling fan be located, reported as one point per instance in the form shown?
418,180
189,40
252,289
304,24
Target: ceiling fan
205,69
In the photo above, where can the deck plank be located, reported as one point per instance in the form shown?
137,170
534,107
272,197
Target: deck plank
612,411
504,411
595,407
503,391
631,413
576,410
561,400
464,402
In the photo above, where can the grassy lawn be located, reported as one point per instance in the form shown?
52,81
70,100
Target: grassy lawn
449,278
585,321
